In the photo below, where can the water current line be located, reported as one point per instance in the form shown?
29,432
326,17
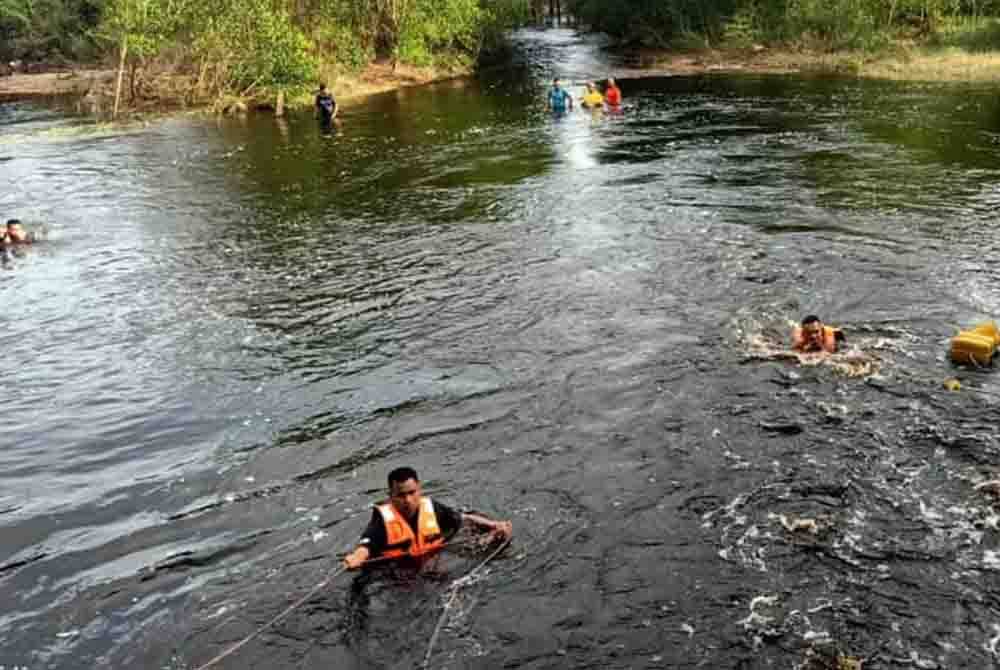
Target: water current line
288,610
455,586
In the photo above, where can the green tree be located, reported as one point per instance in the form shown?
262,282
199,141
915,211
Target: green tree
252,43
38,30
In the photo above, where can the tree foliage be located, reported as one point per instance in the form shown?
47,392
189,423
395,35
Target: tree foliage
832,23
48,29
233,45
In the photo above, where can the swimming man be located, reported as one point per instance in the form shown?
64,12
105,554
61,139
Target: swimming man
813,336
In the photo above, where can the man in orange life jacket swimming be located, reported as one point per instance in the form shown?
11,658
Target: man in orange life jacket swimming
409,524
813,336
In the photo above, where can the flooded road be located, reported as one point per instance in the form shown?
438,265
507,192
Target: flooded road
236,329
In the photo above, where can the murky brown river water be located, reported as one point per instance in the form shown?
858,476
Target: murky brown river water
236,329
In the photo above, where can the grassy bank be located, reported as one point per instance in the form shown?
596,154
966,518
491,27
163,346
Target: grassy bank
904,64
961,51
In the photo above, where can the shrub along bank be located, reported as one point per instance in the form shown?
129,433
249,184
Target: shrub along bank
225,48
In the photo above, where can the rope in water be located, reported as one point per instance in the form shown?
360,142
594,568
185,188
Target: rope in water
931,381
316,589
288,610
455,586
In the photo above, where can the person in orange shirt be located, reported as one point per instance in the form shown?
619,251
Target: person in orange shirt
613,94
412,525
813,336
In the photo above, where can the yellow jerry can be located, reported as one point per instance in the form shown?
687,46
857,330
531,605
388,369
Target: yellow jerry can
988,329
969,348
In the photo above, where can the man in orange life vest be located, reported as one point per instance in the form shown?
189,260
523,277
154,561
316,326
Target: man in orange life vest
813,336
409,524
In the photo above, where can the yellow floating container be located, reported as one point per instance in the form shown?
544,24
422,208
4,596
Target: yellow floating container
988,329
972,348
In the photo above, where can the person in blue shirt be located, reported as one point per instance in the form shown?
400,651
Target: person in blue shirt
559,99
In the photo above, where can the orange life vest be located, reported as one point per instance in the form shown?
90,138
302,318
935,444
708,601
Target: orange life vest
829,339
400,538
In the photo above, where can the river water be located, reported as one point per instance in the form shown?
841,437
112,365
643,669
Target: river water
236,328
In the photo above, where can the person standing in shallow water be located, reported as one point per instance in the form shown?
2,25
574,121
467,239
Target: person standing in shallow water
613,94
592,98
559,100
409,524
326,106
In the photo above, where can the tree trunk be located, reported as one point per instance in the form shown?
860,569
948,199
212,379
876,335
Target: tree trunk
121,73
133,71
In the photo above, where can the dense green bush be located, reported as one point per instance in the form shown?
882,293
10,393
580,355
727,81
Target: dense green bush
257,44
46,30
233,45
863,24
440,26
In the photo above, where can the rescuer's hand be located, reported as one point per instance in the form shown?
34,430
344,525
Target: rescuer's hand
356,558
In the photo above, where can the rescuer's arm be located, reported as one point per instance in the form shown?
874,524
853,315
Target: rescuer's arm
502,529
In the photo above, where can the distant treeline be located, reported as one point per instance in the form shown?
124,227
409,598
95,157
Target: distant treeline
235,44
232,46
836,24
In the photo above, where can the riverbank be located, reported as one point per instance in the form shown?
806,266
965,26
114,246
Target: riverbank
50,84
168,91
902,62
354,87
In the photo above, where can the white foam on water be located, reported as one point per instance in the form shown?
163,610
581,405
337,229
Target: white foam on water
922,663
754,620
991,644
816,636
928,513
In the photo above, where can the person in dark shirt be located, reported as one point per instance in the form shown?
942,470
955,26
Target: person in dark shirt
409,524
326,106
